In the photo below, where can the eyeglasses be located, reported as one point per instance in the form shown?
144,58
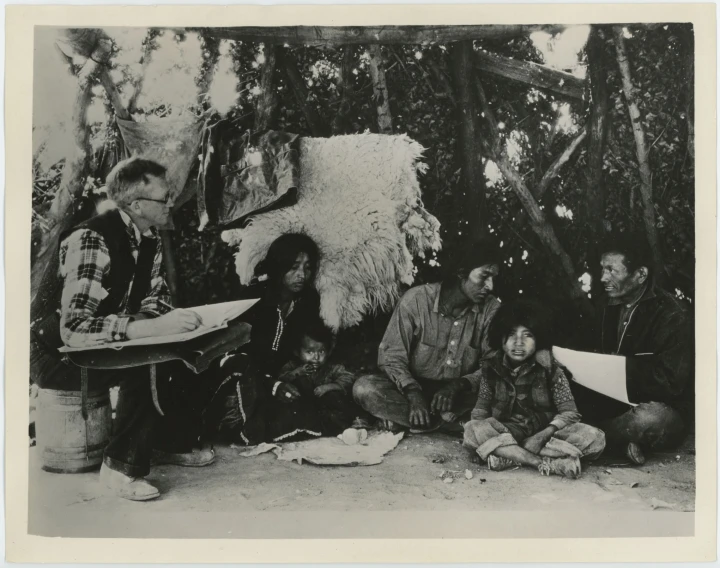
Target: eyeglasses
163,201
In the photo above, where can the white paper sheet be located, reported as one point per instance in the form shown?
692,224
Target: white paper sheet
214,317
602,373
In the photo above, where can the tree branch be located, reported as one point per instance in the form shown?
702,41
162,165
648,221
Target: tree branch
113,95
646,189
77,161
554,169
538,222
146,59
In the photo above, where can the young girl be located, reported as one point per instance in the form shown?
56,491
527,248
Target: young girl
525,413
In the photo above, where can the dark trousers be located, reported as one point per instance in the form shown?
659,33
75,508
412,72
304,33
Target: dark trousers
379,396
130,447
653,425
137,427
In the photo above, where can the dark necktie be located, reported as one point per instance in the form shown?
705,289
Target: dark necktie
143,272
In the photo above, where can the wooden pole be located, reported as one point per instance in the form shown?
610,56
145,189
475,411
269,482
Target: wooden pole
471,201
171,273
292,71
380,90
595,197
532,74
354,35
266,110
340,124
646,189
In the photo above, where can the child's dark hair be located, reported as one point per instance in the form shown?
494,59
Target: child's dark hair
462,259
316,330
528,313
282,255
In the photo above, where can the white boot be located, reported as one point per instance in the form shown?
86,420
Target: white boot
121,485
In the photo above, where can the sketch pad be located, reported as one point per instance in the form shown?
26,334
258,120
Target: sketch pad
602,373
214,317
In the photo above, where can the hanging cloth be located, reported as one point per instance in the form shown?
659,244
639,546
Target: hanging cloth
245,173
170,142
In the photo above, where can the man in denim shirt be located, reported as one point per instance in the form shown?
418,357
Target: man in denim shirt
433,345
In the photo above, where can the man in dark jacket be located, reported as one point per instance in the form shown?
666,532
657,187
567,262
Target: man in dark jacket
650,328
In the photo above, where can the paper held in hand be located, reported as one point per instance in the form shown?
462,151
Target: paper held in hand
602,373
213,316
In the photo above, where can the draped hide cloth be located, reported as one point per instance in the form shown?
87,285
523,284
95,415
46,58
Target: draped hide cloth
332,451
172,143
359,200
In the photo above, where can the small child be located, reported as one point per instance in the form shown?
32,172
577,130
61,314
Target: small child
330,384
525,412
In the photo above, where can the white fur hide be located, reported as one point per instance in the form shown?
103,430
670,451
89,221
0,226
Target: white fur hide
359,200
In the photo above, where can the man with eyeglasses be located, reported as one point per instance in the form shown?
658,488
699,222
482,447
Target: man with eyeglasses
114,290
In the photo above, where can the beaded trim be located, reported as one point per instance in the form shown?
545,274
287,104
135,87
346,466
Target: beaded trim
280,326
278,331
297,431
242,412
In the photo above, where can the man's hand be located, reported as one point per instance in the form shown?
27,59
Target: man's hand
324,389
176,321
419,414
287,392
445,397
537,442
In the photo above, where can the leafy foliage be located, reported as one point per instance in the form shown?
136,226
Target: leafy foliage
536,126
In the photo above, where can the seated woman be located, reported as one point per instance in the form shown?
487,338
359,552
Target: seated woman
525,413
250,405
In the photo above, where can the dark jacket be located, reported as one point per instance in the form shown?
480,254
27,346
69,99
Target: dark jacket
658,343
270,338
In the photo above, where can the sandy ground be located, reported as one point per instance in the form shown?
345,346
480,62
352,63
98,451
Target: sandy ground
204,500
